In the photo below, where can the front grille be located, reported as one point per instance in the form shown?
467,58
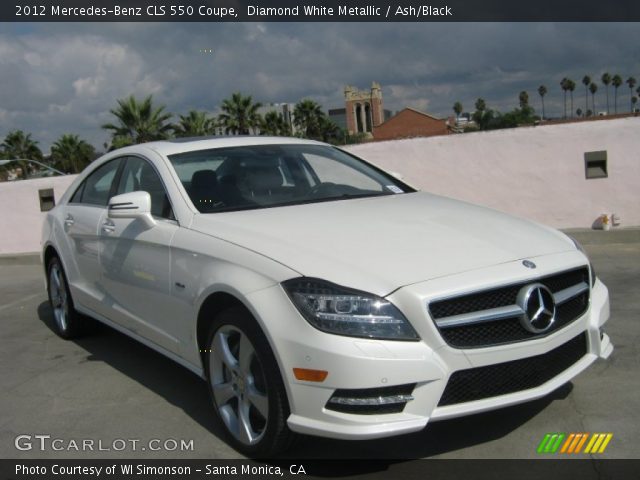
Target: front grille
509,377
507,330
474,302
510,330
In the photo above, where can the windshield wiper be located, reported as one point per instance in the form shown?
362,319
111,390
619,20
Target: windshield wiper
347,196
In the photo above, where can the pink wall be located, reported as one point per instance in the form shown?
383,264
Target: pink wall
534,172
20,215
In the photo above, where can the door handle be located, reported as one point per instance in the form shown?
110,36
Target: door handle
108,226
69,221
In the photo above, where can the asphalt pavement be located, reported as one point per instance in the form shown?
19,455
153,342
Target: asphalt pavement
114,392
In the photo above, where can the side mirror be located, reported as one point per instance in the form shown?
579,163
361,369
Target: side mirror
132,205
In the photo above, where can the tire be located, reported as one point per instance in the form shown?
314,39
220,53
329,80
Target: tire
245,385
67,322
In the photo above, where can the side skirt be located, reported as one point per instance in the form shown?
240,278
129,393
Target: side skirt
179,360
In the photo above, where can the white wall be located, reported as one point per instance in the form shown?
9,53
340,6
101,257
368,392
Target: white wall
20,215
534,172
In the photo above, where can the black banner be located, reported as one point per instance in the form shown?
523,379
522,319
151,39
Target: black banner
588,469
319,11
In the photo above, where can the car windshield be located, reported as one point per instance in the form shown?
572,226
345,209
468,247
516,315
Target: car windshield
250,177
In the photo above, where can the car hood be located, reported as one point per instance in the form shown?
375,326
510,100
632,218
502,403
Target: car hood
379,244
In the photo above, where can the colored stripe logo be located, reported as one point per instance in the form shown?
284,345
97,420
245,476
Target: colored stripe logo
574,443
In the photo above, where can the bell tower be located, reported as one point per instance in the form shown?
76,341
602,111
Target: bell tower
363,109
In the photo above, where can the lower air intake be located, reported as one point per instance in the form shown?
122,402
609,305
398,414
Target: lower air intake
509,377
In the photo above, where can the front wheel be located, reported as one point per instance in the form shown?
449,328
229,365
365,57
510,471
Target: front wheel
245,385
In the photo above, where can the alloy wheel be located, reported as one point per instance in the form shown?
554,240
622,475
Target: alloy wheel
59,298
238,385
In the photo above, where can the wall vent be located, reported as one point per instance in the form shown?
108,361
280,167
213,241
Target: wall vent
595,164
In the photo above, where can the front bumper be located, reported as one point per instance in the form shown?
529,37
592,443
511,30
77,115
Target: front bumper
355,363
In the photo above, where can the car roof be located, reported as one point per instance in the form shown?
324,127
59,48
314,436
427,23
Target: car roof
181,145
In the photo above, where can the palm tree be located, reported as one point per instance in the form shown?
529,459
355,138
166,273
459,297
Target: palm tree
564,84
138,122
479,115
586,81
274,123
457,109
606,80
631,81
72,154
593,88
616,81
20,146
542,91
571,86
306,116
523,98
239,114
195,124
327,129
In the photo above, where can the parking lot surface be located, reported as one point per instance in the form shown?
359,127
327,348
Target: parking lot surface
107,387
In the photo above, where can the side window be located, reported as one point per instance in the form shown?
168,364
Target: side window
139,175
96,188
77,196
130,177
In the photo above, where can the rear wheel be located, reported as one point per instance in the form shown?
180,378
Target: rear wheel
67,322
245,385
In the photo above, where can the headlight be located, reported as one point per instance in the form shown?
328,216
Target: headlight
591,269
342,311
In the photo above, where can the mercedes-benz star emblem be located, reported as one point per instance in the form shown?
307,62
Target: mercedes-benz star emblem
528,264
538,306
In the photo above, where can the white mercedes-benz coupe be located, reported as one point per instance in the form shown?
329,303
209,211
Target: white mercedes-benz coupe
317,293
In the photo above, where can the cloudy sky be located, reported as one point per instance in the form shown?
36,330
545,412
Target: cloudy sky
64,78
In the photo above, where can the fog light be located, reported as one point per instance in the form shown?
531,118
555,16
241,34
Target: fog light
371,401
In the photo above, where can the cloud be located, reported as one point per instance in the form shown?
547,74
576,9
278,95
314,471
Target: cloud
60,83
61,78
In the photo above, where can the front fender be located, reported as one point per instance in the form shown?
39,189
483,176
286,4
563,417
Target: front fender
203,265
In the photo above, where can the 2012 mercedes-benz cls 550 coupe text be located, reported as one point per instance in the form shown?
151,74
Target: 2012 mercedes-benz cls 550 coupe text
316,293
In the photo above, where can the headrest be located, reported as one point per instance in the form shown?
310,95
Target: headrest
266,177
204,179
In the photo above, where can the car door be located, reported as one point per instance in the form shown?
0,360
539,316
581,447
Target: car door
81,216
135,260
